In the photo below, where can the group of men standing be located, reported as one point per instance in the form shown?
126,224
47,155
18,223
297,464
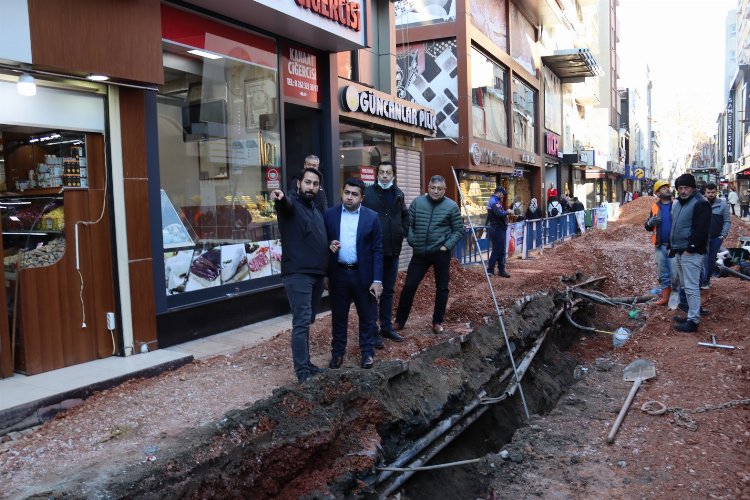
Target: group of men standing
356,245
687,234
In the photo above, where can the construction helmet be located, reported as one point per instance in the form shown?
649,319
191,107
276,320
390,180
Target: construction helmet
659,184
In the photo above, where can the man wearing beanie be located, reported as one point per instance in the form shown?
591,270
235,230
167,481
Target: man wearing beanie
691,219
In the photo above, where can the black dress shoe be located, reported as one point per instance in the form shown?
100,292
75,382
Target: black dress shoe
367,362
336,362
504,274
491,272
302,377
391,335
379,342
398,326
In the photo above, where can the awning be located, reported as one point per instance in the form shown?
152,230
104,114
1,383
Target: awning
573,65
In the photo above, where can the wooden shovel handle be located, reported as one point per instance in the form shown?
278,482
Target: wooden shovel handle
625,407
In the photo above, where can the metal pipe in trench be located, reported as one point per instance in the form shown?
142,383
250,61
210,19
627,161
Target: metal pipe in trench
455,424
732,272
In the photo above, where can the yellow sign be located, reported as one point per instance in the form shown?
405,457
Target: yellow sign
639,173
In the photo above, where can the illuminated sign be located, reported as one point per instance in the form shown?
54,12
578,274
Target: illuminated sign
552,142
344,12
730,128
383,106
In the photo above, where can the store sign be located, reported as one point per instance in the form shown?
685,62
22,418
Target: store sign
343,12
517,172
484,156
730,128
382,105
528,158
300,73
552,142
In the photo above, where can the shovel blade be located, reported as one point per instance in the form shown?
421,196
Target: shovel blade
640,368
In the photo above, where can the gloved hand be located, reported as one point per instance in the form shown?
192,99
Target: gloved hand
653,221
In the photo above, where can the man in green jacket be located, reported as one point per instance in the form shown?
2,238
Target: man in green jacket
435,227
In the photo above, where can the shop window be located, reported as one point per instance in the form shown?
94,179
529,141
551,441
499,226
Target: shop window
488,96
524,107
219,158
361,151
477,189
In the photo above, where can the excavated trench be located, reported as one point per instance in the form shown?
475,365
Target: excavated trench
333,435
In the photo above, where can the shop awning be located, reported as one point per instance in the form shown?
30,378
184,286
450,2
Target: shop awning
573,65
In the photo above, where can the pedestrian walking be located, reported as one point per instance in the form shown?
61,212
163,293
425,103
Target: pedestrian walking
720,224
355,271
733,199
304,262
497,219
691,221
435,227
659,223
385,198
534,212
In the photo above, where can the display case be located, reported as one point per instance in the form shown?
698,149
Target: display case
33,232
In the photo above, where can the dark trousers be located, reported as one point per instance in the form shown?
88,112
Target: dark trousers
346,286
497,236
385,309
441,262
303,292
732,205
744,210
714,244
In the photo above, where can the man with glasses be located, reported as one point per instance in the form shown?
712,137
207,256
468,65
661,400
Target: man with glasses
320,201
435,227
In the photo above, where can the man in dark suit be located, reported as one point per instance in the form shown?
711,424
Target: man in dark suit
355,270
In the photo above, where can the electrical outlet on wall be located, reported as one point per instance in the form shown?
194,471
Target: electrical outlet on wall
110,321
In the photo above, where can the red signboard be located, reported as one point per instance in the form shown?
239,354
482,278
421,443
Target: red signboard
551,144
299,67
367,174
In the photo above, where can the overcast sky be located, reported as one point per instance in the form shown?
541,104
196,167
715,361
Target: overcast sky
683,43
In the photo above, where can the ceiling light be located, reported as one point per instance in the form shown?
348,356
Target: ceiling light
26,85
98,78
203,53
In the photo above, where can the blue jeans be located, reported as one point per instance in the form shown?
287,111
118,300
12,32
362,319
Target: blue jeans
663,266
497,236
688,268
441,262
390,272
709,263
303,292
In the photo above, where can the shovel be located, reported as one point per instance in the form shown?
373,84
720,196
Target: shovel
636,372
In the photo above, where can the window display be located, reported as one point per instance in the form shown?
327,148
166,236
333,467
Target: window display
476,190
219,157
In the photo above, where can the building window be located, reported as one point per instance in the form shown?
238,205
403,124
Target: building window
423,12
488,96
490,17
523,40
524,107
219,158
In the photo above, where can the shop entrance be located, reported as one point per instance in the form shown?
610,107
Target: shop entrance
302,132
56,250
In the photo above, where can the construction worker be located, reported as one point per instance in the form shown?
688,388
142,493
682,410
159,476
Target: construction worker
659,224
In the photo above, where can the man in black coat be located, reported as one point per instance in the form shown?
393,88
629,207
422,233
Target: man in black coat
320,201
304,262
385,198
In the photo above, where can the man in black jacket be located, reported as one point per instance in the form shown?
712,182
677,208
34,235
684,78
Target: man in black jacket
387,200
320,201
304,262
691,220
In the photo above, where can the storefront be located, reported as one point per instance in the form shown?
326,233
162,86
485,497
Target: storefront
556,175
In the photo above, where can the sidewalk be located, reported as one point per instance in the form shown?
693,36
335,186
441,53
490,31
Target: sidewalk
27,400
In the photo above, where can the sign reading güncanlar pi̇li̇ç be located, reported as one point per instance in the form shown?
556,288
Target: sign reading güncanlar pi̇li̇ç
383,106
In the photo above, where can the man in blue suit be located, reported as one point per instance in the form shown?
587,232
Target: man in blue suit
355,270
